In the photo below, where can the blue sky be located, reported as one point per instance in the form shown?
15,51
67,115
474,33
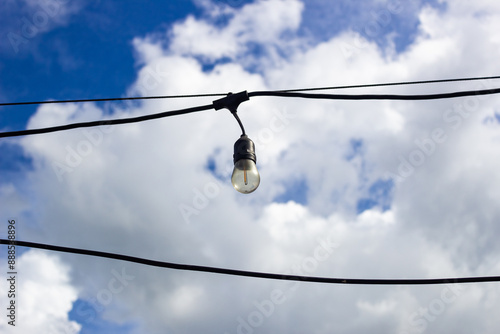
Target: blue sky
382,187
73,59
90,54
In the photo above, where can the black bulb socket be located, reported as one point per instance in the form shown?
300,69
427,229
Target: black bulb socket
244,148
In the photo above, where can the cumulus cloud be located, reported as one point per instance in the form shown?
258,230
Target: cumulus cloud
44,295
263,27
424,173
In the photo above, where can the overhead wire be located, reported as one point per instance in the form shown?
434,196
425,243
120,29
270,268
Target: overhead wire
105,122
386,84
111,99
376,96
254,274
400,83
283,93
252,94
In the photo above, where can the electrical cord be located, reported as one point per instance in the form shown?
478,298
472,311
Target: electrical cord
110,99
377,96
244,273
243,96
401,83
239,122
105,122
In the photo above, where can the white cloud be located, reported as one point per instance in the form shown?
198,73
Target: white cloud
125,192
12,198
44,295
263,24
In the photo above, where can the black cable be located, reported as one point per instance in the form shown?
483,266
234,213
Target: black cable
401,83
113,99
253,94
245,273
377,96
105,122
239,122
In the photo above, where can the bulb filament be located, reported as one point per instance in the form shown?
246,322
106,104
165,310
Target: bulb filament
245,175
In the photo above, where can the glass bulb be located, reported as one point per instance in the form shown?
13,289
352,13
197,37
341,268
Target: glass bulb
245,176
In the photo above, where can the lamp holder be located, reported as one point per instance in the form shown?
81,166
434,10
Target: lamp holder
244,148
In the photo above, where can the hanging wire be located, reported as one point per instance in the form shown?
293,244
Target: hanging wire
110,99
418,97
245,273
235,114
401,83
254,94
104,122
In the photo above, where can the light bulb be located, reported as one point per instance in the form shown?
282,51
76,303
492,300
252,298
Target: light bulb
245,178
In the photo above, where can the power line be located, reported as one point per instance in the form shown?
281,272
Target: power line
244,273
217,105
377,96
104,122
110,99
401,83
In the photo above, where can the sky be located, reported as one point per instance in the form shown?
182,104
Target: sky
349,189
